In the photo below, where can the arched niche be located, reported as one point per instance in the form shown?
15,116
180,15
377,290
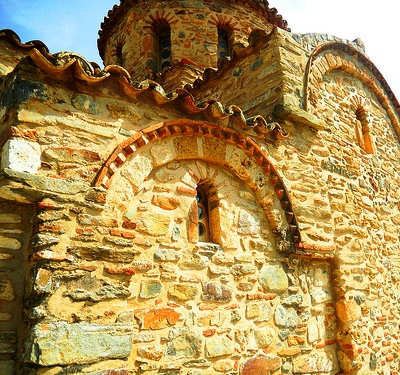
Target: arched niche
337,56
184,139
234,298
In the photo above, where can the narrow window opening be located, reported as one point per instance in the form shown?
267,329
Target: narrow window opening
224,47
118,55
203,214
365,139
162,40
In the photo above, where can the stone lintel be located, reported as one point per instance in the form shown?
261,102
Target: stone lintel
288,111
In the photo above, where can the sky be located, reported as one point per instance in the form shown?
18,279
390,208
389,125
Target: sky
72,25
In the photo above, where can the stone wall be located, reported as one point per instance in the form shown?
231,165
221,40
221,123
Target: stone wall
15,233
300,274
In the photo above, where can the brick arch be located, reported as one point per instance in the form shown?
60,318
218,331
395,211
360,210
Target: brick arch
320,64
190,128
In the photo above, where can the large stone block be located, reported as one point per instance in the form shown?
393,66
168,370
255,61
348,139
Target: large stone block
316,362
61,343
21,155
217,346
273,279
184,343
152,223
264,365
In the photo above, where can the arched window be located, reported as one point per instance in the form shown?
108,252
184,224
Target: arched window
118,55
364,136
203,214
224,42
162,44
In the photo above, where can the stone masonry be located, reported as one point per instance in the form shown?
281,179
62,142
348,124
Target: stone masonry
232,212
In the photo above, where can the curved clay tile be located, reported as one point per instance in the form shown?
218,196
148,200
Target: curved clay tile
119,10
64,65
14,39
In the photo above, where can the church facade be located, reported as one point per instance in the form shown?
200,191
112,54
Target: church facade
221,198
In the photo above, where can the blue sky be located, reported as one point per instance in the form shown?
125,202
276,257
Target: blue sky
72,25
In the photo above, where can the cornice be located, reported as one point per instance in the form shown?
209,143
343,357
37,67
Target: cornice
67,67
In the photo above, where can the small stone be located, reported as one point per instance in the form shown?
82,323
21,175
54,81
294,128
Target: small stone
248,223
286,317
43,282
274,279
312,330
184,343
150,289
293,300
157,318
315,362
261,365
224,365
217,346
200,363
348,311
264,337
166,255
245,286
95,290
9,243
195,261
153,352
213,291
319,295
41,240
152,223
261,311
166,203
125,317
235,316
176,233
6,291
223,259
183,292
284,334
141,337
218,270
243,269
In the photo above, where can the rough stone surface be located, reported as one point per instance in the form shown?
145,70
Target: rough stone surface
183,292
21,155
62,344
261,365
273,279
157,318
286,317
218,346
266,218
150,289
183,343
